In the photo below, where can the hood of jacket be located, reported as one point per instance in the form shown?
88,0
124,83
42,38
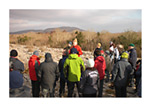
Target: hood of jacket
100,58
48,57
73,56
34,57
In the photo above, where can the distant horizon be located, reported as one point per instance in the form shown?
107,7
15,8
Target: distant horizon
74,27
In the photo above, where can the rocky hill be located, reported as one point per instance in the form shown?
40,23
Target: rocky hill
64,28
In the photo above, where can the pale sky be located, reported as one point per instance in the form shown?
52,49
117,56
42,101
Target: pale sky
117,20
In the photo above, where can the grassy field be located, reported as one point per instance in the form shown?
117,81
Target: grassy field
87,39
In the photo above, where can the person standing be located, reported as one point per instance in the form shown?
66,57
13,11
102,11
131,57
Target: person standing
108,66
111,50
34,64
48,74
121,74
132,61
17,64
73,67
68,48
90,80
100,65
62,77
75,45
116,54
98,48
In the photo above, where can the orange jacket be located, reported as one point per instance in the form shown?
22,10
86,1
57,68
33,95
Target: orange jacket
78,49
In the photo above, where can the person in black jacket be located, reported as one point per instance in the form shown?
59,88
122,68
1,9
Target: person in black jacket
48,75
121,74
63,80
132,61
17,64
90,79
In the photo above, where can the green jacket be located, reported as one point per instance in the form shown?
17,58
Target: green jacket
73,67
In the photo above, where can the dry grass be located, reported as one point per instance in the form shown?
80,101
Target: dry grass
59,39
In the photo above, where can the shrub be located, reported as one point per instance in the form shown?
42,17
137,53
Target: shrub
23,39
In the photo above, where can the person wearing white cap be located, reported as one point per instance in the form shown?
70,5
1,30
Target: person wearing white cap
90,79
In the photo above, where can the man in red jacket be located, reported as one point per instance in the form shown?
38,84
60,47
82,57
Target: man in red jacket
75,45
100,65
34,64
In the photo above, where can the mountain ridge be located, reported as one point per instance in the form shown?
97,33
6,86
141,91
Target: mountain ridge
66,28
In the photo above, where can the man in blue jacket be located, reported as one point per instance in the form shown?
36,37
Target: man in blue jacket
132,61
63,80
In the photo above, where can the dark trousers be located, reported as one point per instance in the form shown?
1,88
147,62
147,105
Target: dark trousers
35,88
62,87
101,88
71,88
89,95
120,91
107,75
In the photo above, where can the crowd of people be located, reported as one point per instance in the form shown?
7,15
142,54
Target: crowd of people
115,65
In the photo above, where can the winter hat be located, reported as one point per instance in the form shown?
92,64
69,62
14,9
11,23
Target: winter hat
125,55
48,55
73,51
36,53
90,63
13,53
111,42
132,45
70,43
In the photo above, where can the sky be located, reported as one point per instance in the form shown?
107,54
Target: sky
112,20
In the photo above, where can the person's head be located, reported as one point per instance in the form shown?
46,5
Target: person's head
73,51
131,46
120,48
124,55
75,42
48,55
70,44
36,53
111,43
99,45
13,53
90,63
65,52
98,53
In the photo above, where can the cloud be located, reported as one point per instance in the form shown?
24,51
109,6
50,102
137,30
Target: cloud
86,19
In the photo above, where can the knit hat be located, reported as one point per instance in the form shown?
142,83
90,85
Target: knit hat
90,63
125,55
36,53
70,43
111,42
73,51
132,45
13,53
